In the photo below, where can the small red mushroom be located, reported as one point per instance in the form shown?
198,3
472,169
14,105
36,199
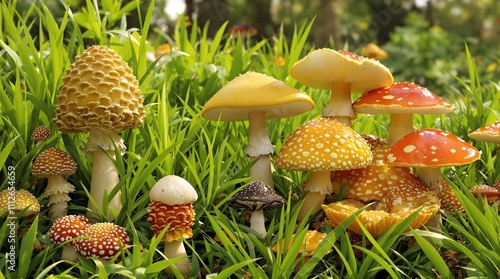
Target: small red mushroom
40,134
489,194
103,240
68,228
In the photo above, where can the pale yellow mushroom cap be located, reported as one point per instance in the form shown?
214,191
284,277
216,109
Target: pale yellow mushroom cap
99,92
322,67
324,144
256,92
22,199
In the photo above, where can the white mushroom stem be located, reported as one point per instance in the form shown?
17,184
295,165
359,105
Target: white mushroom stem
104,171
315,189
259,148
340,105
176,249
69,253
257,222
431,177
401,124
57,190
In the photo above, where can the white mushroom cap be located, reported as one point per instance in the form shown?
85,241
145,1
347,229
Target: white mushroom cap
173,190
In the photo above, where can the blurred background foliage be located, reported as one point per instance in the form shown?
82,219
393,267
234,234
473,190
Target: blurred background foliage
424,38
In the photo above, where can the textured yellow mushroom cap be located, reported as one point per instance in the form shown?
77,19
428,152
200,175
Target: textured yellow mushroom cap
324,144
99,91
255,92
22,199
322,67
311,241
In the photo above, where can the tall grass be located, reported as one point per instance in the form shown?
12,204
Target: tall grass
174,139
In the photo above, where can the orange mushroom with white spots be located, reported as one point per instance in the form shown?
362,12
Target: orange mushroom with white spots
488,193
65,230
321,146
428,150
55,164
40,134
343,73
489,133
103,240
171,208
401,100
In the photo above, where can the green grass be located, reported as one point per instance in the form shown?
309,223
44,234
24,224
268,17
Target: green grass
175,139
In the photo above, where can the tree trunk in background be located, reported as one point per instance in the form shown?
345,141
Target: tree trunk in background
189,11
213,11
328,24
386,16
259,16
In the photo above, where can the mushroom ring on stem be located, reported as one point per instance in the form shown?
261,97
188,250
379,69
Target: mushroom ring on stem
100,95
171,208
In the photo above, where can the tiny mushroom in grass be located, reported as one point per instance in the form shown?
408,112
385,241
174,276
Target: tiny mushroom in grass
55,164
311,242
343,73
171,208
489,133
321,146
103,240
257,97
428,150
40,134
488,193
100,95
257,197
65,230
371,50
401,100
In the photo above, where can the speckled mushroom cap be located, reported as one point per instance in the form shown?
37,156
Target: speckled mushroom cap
324,144
171,207
311,241
487,192
67,228
102,240
449,201
40,133
489,133
99,91
256,92
401,97
53,161
431,148
322,67
23,199
255,196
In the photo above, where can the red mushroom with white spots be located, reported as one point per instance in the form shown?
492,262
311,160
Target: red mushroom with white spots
428,150
401,100
65,230
40,134
54,164
103,240
321,146
171,208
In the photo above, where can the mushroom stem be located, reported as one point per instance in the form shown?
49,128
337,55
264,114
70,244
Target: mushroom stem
401,124
431,177
176,249
69,253
58,210
57,190
339,106
315,189
261,170
257,222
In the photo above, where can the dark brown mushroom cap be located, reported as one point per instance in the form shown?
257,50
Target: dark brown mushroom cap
256,196
53,161
40,133
67,228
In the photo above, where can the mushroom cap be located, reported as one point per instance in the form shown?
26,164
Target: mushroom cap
401,97
23,199
324,144
256,92
431,148
322,67
377,145
256,196
99,91
67,228
40,133
449,201
311,241
173,190
490,133
490,193
102,240
177,218
53,161
372,50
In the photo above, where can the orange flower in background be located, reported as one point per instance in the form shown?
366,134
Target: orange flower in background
371,50
243,30
163,50
280,61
